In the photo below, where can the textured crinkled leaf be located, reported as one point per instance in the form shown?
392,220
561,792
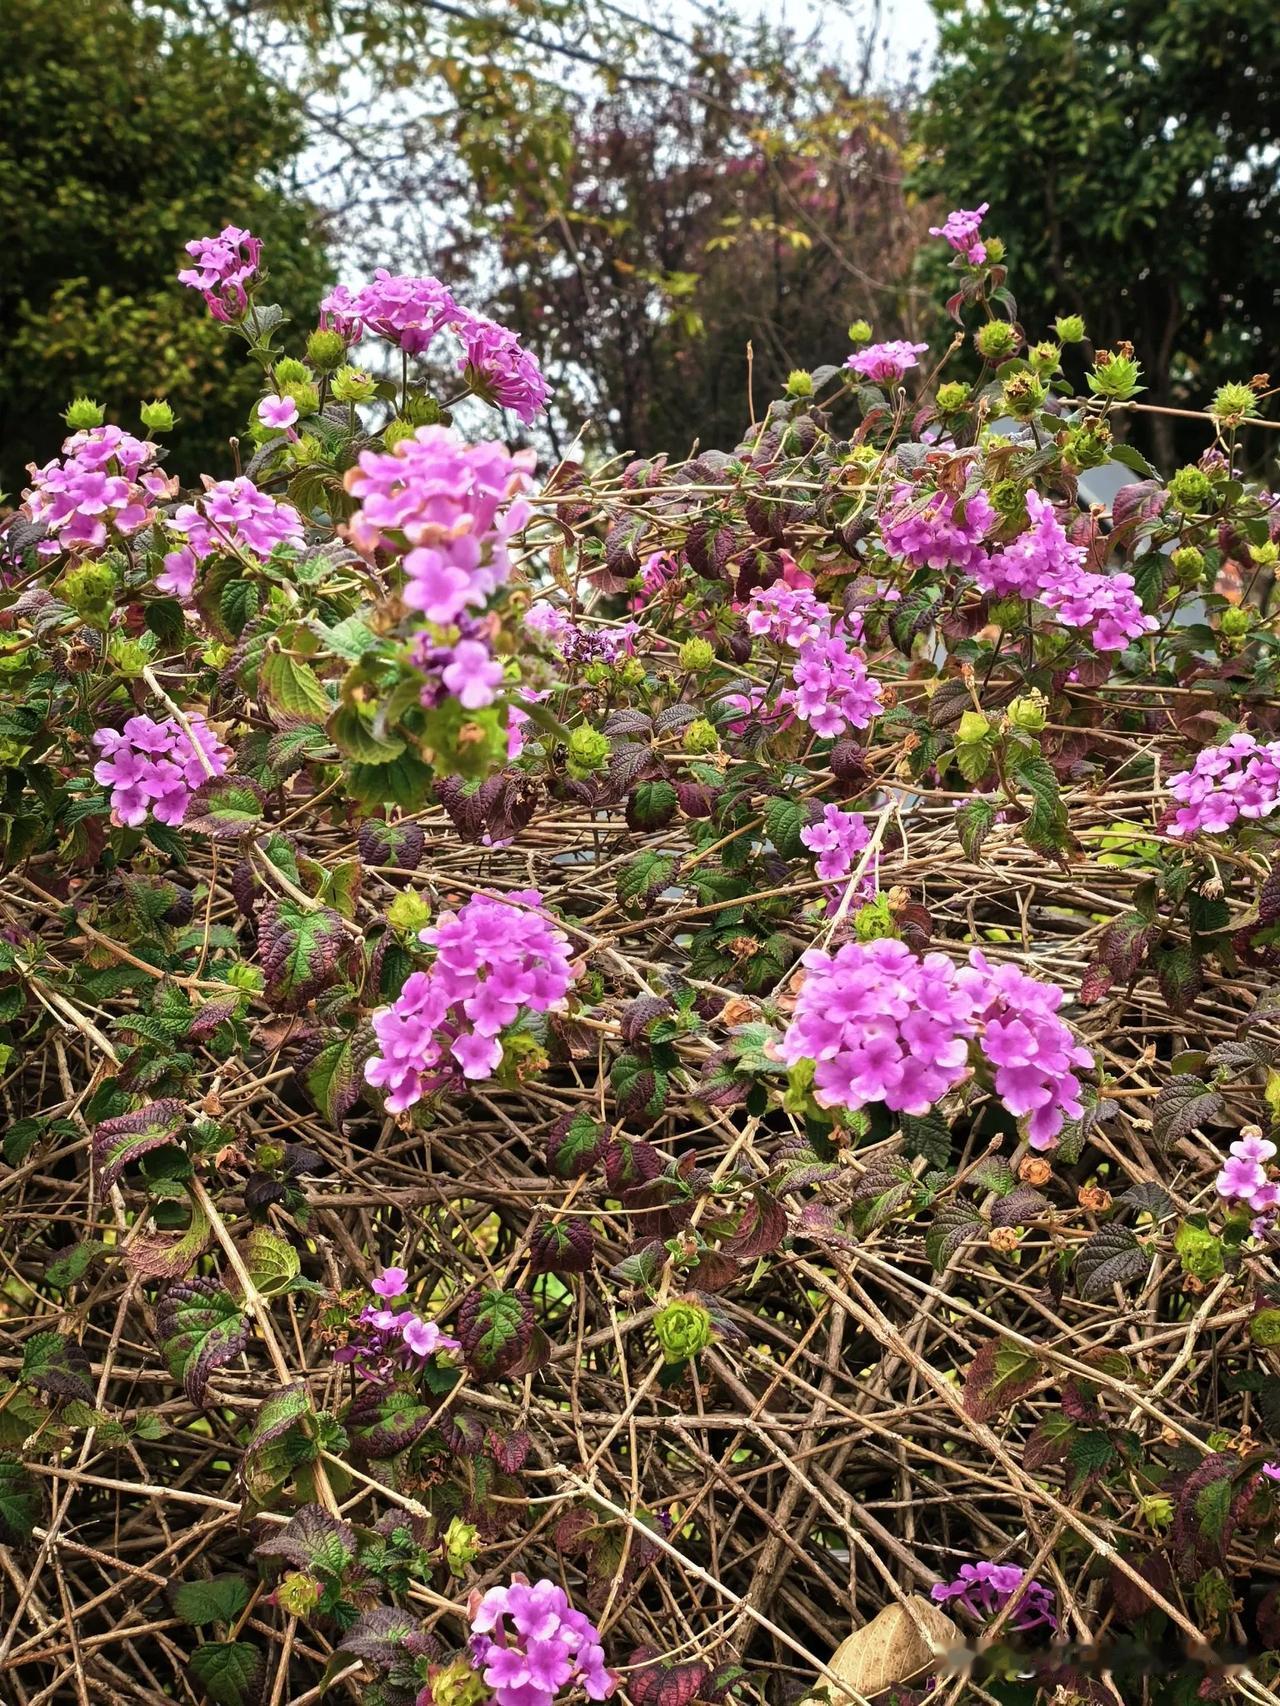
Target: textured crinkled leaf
494,1328
383,1424
170,1255
312,1539
21,1500
119,1142
1113,1256
272,1261
225,807
997,1377
379,1635
229,1672
561,1247
955,1224
761,1228
334,1076
1183,1104
299,950
202,1328
398,844
281,1441
218,1600
57,1364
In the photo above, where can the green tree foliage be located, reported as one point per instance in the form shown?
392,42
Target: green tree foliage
1128,153
122,138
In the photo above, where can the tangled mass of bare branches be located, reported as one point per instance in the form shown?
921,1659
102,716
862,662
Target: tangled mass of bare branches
646,1080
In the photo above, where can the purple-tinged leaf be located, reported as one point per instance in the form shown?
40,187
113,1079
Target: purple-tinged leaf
561,1247
398,844
574,1146
495,1329
202,1328
997,1377
56,1364
225,807
1113,1256
312,1539
299,950
119,1142
655,1682
379,1636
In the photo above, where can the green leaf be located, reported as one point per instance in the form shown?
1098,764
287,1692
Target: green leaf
644,877
353,733
272,1261
1091,1451
229,1672
294,688
1213,1508
282,1441
784,818
299,949
928,1135
335,1076
1045,830
997,1377
954,1224
20,1500
652,804
73,1264
1113,1256
973,821
225,807
220,1600
237,603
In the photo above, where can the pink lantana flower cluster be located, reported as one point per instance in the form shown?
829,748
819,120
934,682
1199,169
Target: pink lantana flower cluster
1244,1178
529,1643
155,767
234,518
786,614
887,363
411,311
581,642
387,1340
1043,564
940,532
225,266
837,838
882,1025
450,507
985,1589
1238,779
495,957
961,228
104,484
832,690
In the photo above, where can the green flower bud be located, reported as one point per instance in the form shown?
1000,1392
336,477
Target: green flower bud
1157,1511
700,736
799,383
408,913
290,371
697,654
1190,490
1023,394
457,1684
1264,1328
588,752
860,332
1069,329
973,727
395,431
1045,358
1236,622
630,672
1188,564
305,450
996,341
864,457
83,414
353,385
995,248
1265,556
683,1328
952,397
874,922
1115,376
90,590
1010,499
1028,713
461,1545
305,394
157,416
130,657
1233,403
1086,446
298,1594
423,411
326,350
269,1156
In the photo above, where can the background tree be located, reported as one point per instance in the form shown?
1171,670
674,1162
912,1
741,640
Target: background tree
722,193
123,136
1128,153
